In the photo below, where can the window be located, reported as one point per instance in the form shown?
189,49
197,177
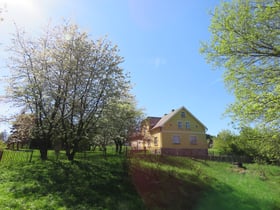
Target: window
155,141
183,114
193,140
180,124
188,125
176,139
149,143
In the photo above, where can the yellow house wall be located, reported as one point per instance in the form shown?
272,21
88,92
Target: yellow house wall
167,140
159,138
170,129
172,124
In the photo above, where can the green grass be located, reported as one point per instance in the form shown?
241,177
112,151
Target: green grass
255,188
82,184
183,183
10,156
140,182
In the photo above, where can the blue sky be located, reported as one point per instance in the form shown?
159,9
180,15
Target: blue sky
159,40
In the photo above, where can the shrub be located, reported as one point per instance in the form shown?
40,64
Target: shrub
2,145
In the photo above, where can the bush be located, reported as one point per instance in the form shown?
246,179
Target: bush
259,144
224,142
2,145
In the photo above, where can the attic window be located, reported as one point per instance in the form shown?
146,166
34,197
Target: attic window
183,114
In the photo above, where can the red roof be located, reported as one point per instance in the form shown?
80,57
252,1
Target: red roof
153,121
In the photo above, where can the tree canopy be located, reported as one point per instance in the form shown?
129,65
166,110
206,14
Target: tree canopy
21,131
66,80
246,43
258,144
118,122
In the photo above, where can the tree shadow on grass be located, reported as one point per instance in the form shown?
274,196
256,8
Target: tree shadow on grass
180,162
165,190
79,185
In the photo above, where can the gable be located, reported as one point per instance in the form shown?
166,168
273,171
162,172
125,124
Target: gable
169,117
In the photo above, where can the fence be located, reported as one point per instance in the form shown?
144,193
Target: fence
210,156
16,156
229,158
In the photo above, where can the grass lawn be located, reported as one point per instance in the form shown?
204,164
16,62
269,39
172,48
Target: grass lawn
140,182
255,188
183,183
84,184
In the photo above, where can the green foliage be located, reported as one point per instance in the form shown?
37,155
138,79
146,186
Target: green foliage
123,119
245,41
2,145
259,144
116,124
224,142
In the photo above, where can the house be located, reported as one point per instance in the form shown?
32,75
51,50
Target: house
140,140
177,133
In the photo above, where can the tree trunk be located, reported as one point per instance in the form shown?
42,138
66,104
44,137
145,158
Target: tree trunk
70,152
71,156
43,146
105,152
44,153
117,147
120,148
94,147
